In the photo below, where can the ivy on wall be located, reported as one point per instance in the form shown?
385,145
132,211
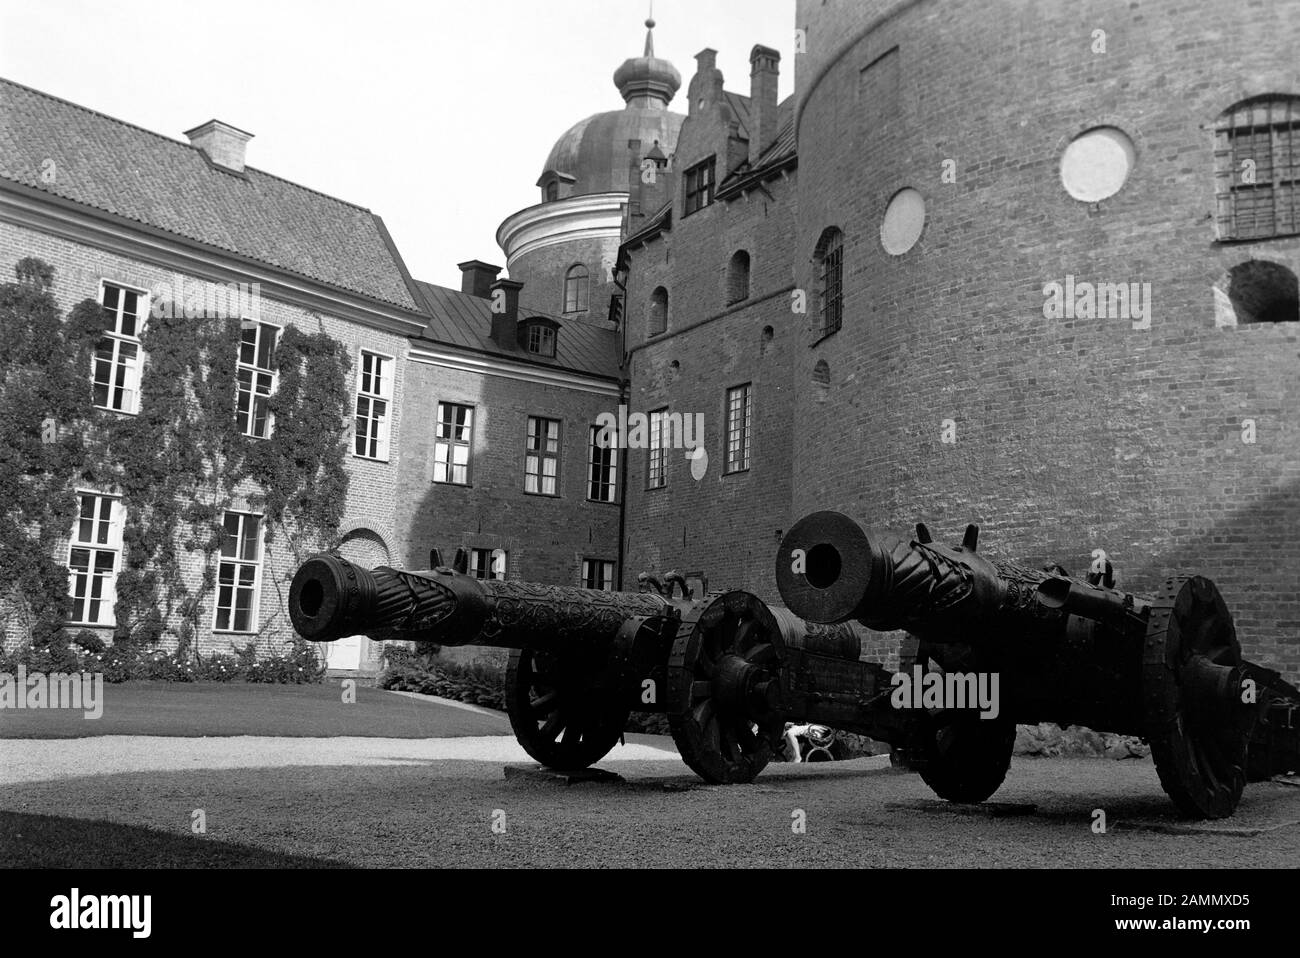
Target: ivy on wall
178,464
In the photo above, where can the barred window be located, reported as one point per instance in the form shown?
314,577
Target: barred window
1257,168
699,186
830,268
453,439
94,559
602,475
657,460
487,563
115,369
374,394
576,282
239,572
598,574
542,457
257,376
739,414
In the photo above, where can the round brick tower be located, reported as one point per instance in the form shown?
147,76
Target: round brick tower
1068,238
563,249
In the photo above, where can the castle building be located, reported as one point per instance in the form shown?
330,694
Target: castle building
1031,267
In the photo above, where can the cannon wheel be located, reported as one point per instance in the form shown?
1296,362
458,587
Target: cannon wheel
962,757
1201,763
557,716
718,738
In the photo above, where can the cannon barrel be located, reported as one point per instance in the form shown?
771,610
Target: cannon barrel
330,598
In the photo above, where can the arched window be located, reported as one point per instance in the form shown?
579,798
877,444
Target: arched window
821,378
552,191
658,311
829,257
738,277
1263,292
575,289
1257,168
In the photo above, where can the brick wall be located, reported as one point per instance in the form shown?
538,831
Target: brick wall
542,272
726,526
370,505
1072,434
545,537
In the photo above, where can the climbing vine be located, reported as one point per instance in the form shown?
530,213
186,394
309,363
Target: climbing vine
179,463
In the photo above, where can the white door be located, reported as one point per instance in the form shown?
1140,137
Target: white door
344,654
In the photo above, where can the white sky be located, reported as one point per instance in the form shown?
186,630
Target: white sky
437,115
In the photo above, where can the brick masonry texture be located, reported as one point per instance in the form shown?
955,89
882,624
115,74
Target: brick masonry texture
542,272
369,515
1072,434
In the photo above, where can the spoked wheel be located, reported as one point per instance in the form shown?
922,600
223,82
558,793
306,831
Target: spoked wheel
557,716
962,757
723,688
1196,723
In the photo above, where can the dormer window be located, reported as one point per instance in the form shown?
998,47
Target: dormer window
538,336
552,191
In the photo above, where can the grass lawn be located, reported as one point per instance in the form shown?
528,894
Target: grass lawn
240,708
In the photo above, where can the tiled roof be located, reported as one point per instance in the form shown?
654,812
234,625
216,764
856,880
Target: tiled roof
459,319
169,185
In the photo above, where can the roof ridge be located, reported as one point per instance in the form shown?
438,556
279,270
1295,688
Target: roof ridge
173,142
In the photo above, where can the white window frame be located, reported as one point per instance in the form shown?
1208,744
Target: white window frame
255,606
134,375
587,568
738,446
382,425
497,562
113,546
656,454
449,445
254,372
537,457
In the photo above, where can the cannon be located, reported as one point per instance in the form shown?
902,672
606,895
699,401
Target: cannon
728,669
1166,667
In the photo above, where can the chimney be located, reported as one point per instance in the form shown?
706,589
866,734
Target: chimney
765,63
222,143
476,277
505,321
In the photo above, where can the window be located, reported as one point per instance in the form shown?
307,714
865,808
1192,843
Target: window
452,439
738,277
657,461
239,573
602,482
93,559
739,413
658,311
1257,168
699,186
540,339
116,367
598,574
487,563
256,371
1260,291
374,393
552,191
575,289
542,456
830,267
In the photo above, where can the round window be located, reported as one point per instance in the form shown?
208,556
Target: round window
1096,164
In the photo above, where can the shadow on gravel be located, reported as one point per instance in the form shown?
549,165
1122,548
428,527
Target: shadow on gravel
49,841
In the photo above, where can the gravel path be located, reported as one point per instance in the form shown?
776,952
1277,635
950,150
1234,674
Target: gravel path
377,803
